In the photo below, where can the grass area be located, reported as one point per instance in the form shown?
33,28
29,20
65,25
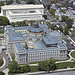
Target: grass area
34,68
1,62
12,55
73,54
1,31
59,66
65,65
73,33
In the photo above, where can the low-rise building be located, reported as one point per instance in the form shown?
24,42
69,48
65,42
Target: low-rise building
33,43
23,12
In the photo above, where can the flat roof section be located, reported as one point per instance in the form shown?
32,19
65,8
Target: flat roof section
19,47
29,6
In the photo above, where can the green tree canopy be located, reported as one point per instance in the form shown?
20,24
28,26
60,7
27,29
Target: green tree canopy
4,20
52,12
47,65
66,32
52,27
2,73
1,4
9,2
64,18
60,28
67,20
13,67
30,1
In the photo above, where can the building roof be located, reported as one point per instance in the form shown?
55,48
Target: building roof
15,35
50,40
55,33
22,28
8,27
44,27
23,13
19,47
35,28
29,6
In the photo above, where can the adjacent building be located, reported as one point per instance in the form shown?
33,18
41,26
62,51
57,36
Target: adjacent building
23,12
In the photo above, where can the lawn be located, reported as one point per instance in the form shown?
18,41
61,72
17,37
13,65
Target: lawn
34,68
73,54
65,65
59,66
1,62
1,31
12,55
73,33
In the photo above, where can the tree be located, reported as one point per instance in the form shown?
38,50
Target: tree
1,20
47,65
1,4
13,67
31,22
13,24
48,7
69,22
52,12
2,73
5,21
66,32
64,18
53,1
27,68
60,28
57,17
52,64
9,2
17,1
30,1
42,65
52,27
24,23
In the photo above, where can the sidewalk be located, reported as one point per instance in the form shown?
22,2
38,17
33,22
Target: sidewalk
3,63
10,56
33,64
6,71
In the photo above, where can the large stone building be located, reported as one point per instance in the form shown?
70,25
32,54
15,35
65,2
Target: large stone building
34,43
22,12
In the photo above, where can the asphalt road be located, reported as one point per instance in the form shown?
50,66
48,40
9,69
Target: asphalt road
7,62
61,73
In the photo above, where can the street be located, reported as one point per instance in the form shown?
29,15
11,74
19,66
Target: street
61,73
7,62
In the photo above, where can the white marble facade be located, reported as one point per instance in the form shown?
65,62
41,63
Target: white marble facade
30,44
